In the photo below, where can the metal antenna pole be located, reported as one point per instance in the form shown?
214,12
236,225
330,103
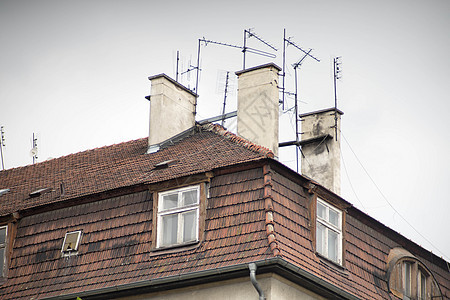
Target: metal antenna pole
196,82
244,49
296,116
284,66
2,143
34,148
178,61
225,99
337,75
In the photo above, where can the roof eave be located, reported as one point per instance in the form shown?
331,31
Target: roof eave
272,265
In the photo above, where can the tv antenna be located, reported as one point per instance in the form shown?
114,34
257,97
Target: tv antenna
34,149
243,48
296,66
337,71
2,144
286,42
248,33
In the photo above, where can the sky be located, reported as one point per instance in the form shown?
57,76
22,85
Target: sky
75,73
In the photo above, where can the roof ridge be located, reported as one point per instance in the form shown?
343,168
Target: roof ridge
74,153
220,130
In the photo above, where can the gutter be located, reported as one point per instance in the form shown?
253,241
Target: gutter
272,265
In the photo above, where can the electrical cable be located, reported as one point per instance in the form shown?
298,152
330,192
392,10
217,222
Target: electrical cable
387,201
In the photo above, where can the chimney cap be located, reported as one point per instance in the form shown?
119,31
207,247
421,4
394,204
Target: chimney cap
176,83
321,111
258,67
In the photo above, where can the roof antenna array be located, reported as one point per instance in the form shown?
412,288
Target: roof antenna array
248,33
296,66
34,149
2,144
243,48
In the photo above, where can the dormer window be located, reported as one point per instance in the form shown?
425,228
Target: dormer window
409,278
329,231
178,216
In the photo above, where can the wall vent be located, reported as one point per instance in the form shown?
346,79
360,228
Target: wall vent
71,242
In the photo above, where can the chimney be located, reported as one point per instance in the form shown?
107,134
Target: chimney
321,147
171,110
257,113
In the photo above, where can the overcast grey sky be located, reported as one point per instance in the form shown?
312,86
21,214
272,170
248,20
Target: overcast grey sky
75,73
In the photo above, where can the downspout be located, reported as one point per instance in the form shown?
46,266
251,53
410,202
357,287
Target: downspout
252,267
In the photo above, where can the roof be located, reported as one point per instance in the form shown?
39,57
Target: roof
123,165
257,211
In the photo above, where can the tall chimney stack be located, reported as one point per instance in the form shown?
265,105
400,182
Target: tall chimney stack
258,100
171,110
321,147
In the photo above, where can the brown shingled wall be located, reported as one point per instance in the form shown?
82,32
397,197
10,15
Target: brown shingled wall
296,242
116,244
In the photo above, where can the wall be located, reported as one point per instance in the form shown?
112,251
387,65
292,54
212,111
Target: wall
274,287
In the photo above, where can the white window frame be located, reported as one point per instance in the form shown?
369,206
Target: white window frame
5,249
329,227
73,250
179,210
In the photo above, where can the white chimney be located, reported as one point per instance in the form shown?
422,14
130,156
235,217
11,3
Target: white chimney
171,110
258,100
321,147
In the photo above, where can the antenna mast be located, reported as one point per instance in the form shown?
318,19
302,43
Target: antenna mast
225,98
287,42
34,149
2,144
337,75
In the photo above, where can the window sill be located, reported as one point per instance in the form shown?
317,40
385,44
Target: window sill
175,248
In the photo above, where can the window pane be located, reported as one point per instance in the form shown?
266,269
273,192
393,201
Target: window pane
332,245
334,218
190,226
320,236
169,230
422,286
407,279
2,235
321,211
190,197
2,260
170,201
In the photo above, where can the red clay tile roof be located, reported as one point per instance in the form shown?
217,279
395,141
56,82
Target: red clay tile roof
253,214
122,165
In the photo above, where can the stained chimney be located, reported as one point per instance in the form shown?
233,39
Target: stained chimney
171,110
257,113
321,147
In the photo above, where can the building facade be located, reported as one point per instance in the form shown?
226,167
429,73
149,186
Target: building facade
203,213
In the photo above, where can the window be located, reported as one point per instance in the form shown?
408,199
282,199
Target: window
406,280
3,240
329,231
409,278
421,285
71,243
178,215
